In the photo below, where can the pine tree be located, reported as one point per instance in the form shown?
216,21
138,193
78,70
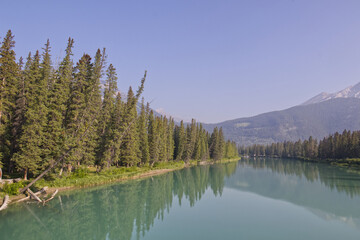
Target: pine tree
180,141
113,141
170,139
107,110
76,113
153,139
57,105
162,128
213,148
20,106
221,143
143,135
93,108
109,99
190,140
33,137
9,72
129,146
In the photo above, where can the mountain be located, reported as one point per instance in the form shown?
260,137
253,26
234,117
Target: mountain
349,92
299,122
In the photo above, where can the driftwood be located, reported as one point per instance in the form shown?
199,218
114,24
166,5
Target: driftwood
43,190
10,180
52,196
5,202
32,195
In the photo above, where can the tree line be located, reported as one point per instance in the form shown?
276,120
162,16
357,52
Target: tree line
45,110
335,146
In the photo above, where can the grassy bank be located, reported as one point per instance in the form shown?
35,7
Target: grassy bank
87,176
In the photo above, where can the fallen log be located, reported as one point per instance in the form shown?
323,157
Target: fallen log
43,190
33,195
5,202
52,196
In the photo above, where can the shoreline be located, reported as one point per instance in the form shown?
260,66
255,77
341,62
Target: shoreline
122,178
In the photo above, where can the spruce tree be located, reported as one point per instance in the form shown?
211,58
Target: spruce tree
57,106
93,108
170,139
32,140
107,110
153,139
20,106
180,141
129,146
75,121
113,140
9,72
143,135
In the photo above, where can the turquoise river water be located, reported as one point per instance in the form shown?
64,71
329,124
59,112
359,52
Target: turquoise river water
249,199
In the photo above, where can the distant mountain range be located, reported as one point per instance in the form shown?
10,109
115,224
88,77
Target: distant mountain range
320,116
349,92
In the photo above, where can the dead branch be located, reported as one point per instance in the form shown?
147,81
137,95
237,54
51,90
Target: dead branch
43,190
52,196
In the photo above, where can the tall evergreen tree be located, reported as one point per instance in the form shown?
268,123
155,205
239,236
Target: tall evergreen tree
143,135
57,106
32,140
129,147
107,110
153,139
93,108
9,72
170,139
113,140
75,121
180,141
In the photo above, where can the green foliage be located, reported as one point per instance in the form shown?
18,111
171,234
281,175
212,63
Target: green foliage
46,111
338,147
80,172
13,188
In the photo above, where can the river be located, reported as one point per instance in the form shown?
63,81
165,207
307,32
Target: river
249,199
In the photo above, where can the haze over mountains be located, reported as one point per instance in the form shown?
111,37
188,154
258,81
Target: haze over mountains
320,116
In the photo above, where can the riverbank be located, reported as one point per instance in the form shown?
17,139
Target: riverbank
88,177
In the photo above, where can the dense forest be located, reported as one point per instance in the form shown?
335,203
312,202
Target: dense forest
75,110
336,146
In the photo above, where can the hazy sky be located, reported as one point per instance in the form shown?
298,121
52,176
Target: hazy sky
210,60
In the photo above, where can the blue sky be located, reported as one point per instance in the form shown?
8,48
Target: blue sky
208,60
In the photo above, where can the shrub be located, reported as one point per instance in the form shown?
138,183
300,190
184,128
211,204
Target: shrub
80,172
13,188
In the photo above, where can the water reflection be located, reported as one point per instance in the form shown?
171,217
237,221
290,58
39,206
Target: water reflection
328,191
115,211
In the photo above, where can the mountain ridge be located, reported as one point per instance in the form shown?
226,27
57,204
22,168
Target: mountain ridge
349,92
298,122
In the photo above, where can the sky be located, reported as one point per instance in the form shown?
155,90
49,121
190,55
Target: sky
206,59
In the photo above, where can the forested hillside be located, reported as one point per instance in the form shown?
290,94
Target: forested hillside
47,112
317,120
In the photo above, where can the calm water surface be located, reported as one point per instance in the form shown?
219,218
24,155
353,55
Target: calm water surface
249,199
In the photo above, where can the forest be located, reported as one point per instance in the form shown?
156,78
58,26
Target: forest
75,112
336,146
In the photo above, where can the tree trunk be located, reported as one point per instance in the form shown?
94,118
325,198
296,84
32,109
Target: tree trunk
25,174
